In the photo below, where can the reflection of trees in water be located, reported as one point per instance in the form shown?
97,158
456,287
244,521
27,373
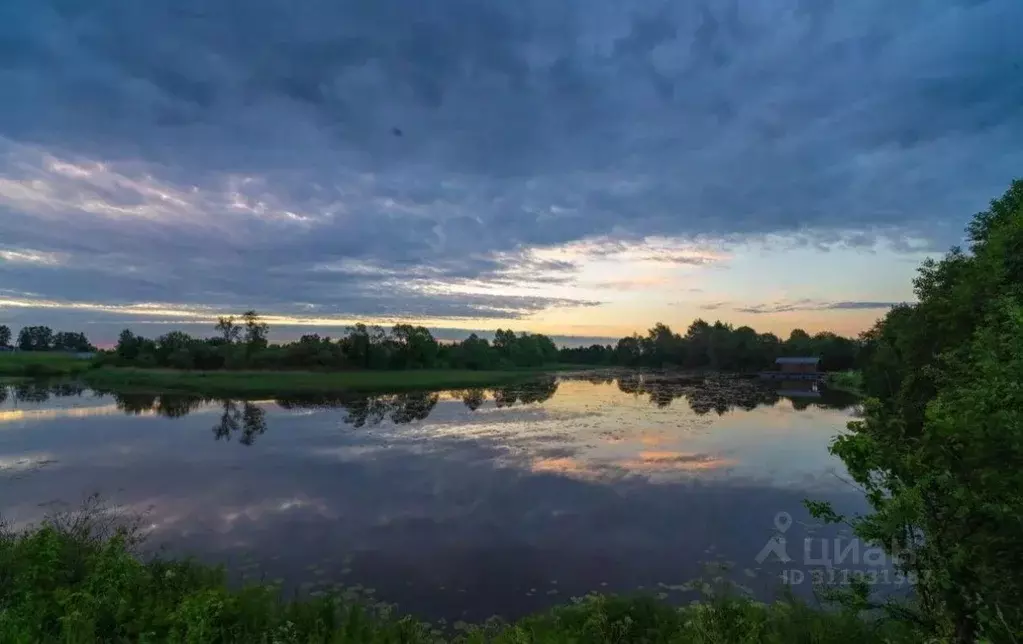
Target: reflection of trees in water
806,394
238,417
135,404
167,405
836,399
539,391
31,392
178,406
362,410
369,410
630,383
230,422
39,391
526,393
400,408
661,390
253,423
313,401
719,395
67,390
410,407
474,398
243,417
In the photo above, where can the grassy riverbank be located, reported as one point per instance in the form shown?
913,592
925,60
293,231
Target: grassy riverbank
269,383
850,381
40,364
78,580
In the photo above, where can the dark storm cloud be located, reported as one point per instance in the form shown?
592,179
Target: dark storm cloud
248,153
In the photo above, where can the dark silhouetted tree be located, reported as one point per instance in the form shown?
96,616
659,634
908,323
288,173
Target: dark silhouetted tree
255,330
416,347
35,338
72,341
228,330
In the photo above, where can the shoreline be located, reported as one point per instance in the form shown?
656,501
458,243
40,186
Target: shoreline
283,382
847,381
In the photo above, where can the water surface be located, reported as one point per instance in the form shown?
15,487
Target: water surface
455,505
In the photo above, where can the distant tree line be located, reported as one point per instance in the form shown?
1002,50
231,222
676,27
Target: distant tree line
43,338
241,343
717,346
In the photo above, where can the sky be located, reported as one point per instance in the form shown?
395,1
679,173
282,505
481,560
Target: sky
577,168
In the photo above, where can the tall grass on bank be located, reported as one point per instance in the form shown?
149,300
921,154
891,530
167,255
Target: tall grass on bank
76,578
851,381
269,383
40,364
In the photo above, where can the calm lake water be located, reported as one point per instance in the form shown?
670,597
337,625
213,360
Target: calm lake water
454,505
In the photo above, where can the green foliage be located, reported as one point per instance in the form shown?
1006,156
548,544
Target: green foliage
416,347
228,330
472,353
718,347
35,338
74,342
851,381
77,578
599,619
42,338
255,331
80,581
245,346
37,364
941,440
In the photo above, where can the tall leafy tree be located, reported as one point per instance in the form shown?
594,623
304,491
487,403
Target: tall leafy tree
127,347
357,345
474,353
227,329
416,346
255,330
35,338
799,343
71,341
940,443
5,335
628,351
504,343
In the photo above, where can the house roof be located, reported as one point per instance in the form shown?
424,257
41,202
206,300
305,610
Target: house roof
797,361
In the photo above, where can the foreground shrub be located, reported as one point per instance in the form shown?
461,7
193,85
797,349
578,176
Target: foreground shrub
77,578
